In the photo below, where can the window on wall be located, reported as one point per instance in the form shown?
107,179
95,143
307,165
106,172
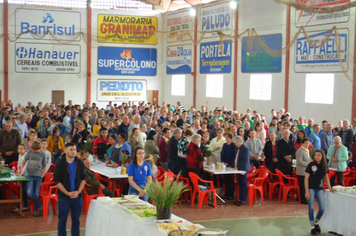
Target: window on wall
319,88
178,85
261,86
214,86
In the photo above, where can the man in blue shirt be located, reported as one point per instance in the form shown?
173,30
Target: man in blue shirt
326,138
315,137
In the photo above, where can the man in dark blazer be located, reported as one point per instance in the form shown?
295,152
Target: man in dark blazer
285,153
242,162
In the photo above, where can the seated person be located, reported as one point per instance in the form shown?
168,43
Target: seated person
118,147
92,180
150,160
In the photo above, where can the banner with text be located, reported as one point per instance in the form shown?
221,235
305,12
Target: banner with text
121,90
216,17
127,61
47,58
324,58
35,23
214,58
256,60
310,19
179,59
127,29
179,22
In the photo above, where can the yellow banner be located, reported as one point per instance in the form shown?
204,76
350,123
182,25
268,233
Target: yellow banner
127,29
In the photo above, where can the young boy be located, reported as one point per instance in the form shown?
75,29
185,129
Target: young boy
44,144
35,170
22,152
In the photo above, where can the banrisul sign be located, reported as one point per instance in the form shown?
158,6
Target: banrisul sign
215,57
47,58
127,61
179,59
34,23
121,90
325,58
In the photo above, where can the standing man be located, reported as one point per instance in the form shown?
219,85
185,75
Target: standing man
124,126
23,129
285,153
67,121
135,124
255,148
163,148
346,134
69,176
326,138
173,164
241,162
9,140
315,137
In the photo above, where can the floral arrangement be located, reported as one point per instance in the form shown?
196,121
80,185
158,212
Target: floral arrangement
86,146
209,150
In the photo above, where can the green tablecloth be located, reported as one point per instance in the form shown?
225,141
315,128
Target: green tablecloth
12,178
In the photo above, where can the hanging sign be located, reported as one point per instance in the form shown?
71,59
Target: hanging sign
324,58
306,19
178,24
47,58
216,17
214,58
256,59
127,29
121,90
127,61
179,59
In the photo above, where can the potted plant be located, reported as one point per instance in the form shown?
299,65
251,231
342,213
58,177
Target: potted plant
208,153
165,195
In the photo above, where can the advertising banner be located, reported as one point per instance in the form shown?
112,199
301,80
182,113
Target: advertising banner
324,58
179,22
47,24
47,58
179,59
121,90
214,58
127,61
310,19
216,17
257,60
127,29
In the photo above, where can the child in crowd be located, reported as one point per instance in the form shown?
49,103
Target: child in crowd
315,173
68,139
149,159
35,171
44,144
20,170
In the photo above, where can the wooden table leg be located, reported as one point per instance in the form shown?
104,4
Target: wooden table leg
20,212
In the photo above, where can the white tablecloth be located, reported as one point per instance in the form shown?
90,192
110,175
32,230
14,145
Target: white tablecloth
109,172
106,219
224,172
340,213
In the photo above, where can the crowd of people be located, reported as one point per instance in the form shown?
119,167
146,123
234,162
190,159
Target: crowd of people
140,136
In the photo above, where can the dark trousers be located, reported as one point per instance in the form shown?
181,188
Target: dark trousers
183,166
340,179
255,163
229,185
173,166
9,159
303,200
75,206
242,181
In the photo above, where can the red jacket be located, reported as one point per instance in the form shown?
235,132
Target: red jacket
163,150
97,141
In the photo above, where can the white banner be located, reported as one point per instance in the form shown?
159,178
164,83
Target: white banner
180,21
179,59
324,58
121,90
47,58
216,17
35,23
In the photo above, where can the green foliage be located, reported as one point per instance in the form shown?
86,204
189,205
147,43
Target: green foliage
166,194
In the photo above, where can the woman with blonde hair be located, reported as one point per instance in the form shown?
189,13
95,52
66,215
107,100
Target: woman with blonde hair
32,136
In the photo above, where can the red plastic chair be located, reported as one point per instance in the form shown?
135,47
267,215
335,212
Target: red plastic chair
44,189
272,182
251,174
291,185
48,177
350,178
330,174
87,198
203,194
53,196
170,175
51,168
106,180
13,164
259,183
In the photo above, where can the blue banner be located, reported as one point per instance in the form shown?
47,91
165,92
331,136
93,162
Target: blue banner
214,58
256,60
127,61
179,59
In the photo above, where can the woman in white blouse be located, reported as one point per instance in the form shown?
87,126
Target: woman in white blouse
217,143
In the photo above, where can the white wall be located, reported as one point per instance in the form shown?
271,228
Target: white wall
36,87
2,56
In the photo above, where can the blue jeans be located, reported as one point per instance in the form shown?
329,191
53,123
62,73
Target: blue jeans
64,205
33,190
317,194
135,192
